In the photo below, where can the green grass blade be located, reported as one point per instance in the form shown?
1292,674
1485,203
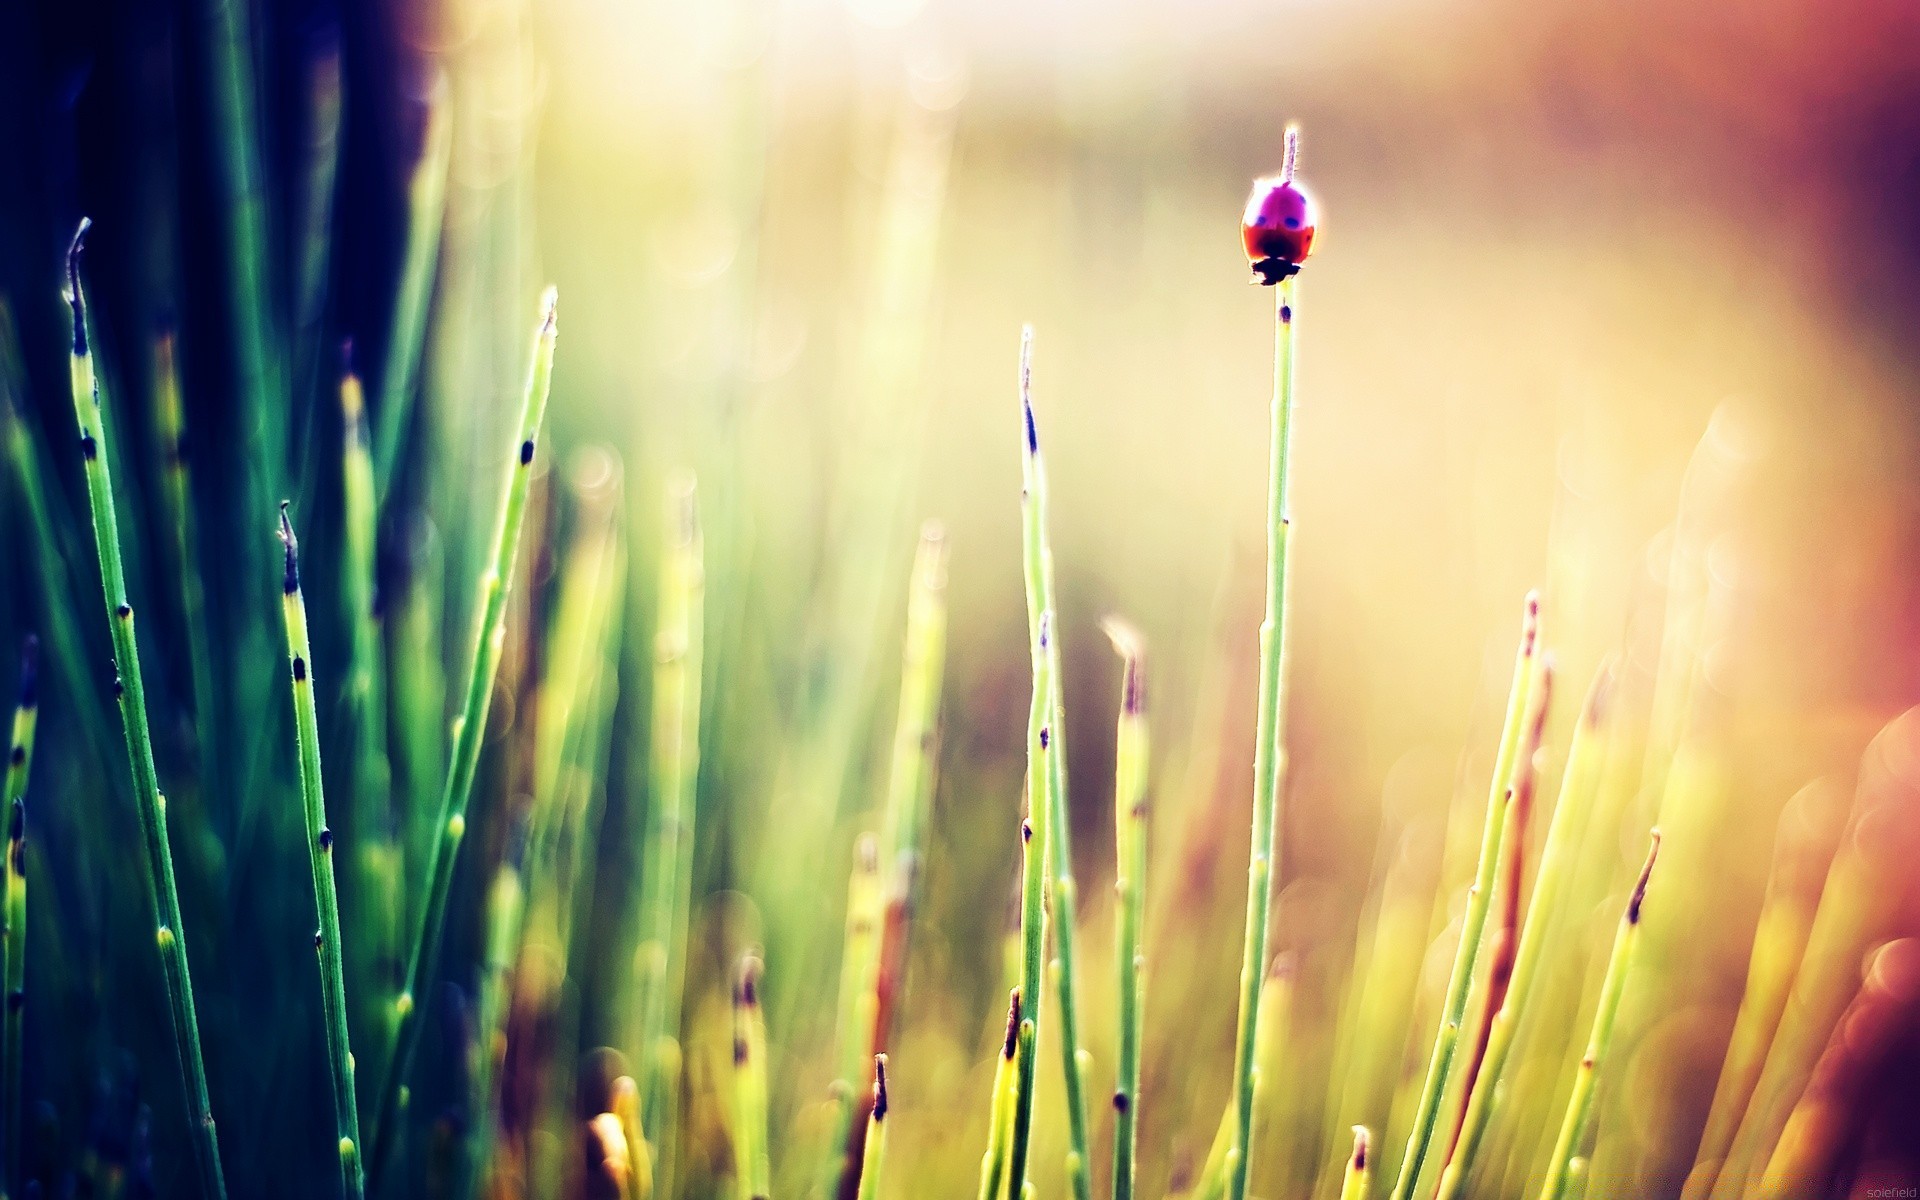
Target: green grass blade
1359,1167
169,936
752,1170
469,730
13,916
426,210
1130,889
326,941
993,1164
1479,902
874,1154
1573,1127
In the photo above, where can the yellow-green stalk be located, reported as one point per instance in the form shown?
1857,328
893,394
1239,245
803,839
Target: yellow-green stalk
1130,892
858,957
426,209
13,913
1035,830
993,1164
1479,902
1276,1013
1269,749
1803,848
129,687
751,1167
667,867
909,799
1359,1166
1573,1127
1500,1005
326,940
875,1150
468,731
1042,607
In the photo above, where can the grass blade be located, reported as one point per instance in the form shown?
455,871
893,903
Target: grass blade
326,941
993,1164
1130,888
169,936
469,729
13,916
1573,1127
875,1150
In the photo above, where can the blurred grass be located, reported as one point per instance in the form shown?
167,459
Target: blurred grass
1567,328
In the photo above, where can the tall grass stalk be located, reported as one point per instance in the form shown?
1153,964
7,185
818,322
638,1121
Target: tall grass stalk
1130,892
1269,751
326,941
993,1164
164,896
177,493
874,1151
859,960
750,1159
1573,1127
1359,1166
916,740
1479,902
1578,786
13,913
1043,612
426,210
468,731
667,864
1036,829
1276,1014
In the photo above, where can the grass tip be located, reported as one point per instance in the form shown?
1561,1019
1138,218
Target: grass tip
1362,1145
746,988
879,1088
1009,1043
549,310
1640,885
291,583
1291,159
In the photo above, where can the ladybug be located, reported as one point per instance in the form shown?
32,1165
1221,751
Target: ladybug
1279,224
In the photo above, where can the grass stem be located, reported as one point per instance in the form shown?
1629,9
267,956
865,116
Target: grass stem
13,914
750,1159
874,1152
326,941
1130,883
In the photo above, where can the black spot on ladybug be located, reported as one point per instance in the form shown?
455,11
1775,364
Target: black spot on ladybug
299,668
526,452
89,449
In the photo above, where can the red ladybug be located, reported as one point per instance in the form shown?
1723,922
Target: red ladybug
1278,228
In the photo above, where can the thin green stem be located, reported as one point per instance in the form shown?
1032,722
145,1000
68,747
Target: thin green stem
1479,902
1041,599
667,867
1130,891
1573,1127
13,916
874,1154
1268,750
859,961
169,935
326,940
426,210
1577,788
1036,830
993,1164
468,731
750,1160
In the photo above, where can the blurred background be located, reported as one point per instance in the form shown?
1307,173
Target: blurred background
1610,301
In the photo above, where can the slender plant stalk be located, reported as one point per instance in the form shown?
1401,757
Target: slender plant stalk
1573,1127
169,935
1037,828
750,1160
1479,902
1276,1013
1059,842
1359,1166
1268,752
873,1154
859,966
667,867
426,210
378,861
993,1164
909,799
1577,788
326,941
1130,891
13,916
506,911
469,729
1502,943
